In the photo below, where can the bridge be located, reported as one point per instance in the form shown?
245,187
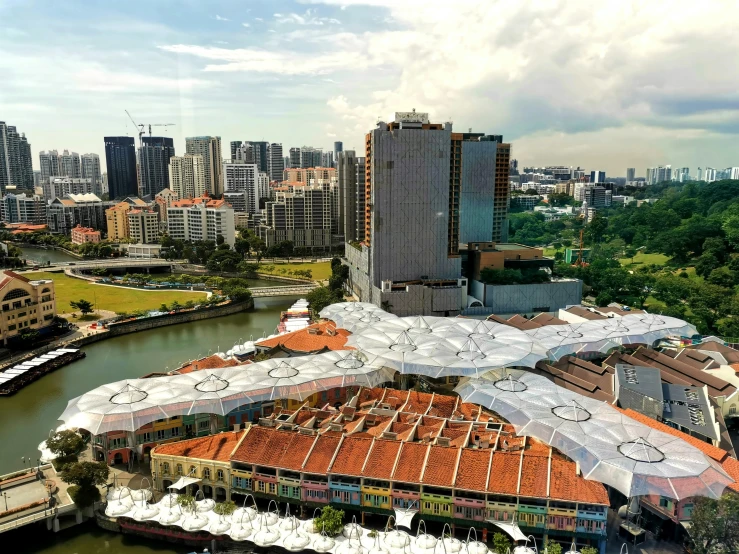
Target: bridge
290,290
106,264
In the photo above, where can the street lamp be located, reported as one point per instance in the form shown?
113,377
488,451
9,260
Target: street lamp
5,495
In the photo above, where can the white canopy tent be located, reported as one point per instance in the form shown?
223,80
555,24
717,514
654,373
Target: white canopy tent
609,446
183,482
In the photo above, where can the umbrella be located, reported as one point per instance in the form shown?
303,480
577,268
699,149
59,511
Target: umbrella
604,334
337,312
609,446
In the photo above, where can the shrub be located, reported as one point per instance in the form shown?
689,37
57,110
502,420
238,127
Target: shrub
186,501
589,550
501,544
83,496
225,508
331,520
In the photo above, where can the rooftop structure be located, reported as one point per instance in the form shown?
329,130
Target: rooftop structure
316,338
81,235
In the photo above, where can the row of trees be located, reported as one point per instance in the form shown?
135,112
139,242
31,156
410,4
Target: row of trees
321,297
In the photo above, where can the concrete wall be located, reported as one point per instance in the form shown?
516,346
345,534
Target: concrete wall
358,262
509,299
420,300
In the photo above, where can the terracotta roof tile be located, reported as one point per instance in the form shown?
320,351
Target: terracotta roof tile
441,465
565,484
381,459
534,475
213,447
410,463
351,456
473,469
418,402
504,472
396,398
264,446
322,453
305,340
209,362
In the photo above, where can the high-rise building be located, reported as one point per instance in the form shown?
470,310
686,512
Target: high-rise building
201,218
143,226
681,175
256,152
36,178
16,166
85,210
295,158
338,148
116,220
210,149
734,173
70,164
49,161
349,193
187,176
327,159
709,174
246,178
597,177
24,208
658,174
59,187
154,156
502,195
276,162
630,174
120,159
286,160
91,170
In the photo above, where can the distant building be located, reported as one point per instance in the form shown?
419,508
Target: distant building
210,149
311,176
25,304
49,162
252,152
86,210
276,162
734,173
338,149
82,235
116,219
16,165
91,170
201,218
597,177
242,177
162,201
154,156
238,201
630,174
525,201
120,158
24,208
187,176
658,174
143,226
57,187
351,173
597,197
709,174
70,164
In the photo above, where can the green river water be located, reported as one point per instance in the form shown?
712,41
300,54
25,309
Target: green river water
28,416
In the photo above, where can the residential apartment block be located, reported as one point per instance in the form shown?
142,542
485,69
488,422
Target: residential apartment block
16,165
187,176
116,218
59,187
143,226
120,159
201,218
82,235
25,304
154,156
246,178
210,149
86,210
24,208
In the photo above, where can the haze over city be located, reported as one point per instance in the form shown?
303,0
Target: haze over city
606,85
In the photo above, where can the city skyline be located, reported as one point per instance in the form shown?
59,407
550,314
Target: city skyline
325,70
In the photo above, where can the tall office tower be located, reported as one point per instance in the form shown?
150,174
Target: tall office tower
474,161
49,165
360,176
709,174
244,178
91,170
120,159
699,175
347,174
16,166
597,177
210,149
235,145
154,156
187,176
649,179
70,165
286,160
276,162
734,173
630,174
327,159
338,148
243,153
502,196
36,178
295,157
261,154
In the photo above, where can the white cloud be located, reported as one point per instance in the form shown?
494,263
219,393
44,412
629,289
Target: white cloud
219,18
308,18
258,19
99,79
246,25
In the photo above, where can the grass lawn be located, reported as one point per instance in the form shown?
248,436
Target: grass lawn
645,259
320,270
115,299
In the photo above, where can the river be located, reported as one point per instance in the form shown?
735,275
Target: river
42,255
28,416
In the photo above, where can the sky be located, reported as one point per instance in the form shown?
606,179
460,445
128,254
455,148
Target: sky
592,83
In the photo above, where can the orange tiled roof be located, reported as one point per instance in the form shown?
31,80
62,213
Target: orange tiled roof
443,405
473,469
505,465
441,465
264,446
213,447
534,475
209,362
351,456
564,485
418,402
306,341
322,453
410,463
381,459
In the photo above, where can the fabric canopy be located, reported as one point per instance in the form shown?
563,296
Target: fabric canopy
183,482
513,530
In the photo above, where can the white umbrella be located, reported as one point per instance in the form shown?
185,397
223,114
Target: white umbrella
609,446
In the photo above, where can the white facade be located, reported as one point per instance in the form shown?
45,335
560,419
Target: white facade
187,176
58,187
246,178
143,226
734,173
201,221
49,162
70,164
91,170
210,150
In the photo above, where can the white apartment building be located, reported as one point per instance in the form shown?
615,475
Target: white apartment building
201,218
210,149
91,170
24,208
246,178
187,176
143,226
70,164
59,187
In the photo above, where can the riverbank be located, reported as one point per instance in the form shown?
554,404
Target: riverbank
28,248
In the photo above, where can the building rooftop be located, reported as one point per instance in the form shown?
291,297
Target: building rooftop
580,376
208,362
213,447
315,338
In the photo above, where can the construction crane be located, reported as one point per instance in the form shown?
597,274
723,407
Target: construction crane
141,127
580,260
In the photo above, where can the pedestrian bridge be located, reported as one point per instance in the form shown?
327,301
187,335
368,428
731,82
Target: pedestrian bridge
289,290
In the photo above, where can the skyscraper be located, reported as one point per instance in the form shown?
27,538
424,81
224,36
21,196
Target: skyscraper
502,190
49,161
276,162
246,178
348,194
187,176
120,159
295,157
154,156
630,174
210,149
91,170
250,151
70,165
338,148
597,177
16,166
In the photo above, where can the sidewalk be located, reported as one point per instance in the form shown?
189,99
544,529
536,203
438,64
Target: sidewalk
651,546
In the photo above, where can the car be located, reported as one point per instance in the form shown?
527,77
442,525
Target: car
71,263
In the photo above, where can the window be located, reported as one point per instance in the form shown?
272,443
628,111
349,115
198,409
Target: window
145,437
284,490
16,293
261,486
272,489
175,431
160,434
34,321
206,474
242,483
11,327
219,475
732,410
192,472
345,497
204,424
165,468
179,469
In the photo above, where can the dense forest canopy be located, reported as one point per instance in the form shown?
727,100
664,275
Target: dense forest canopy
694,225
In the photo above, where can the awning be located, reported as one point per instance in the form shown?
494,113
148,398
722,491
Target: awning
511,528
403,517
183,482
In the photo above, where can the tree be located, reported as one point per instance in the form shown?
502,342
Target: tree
84,306
588,550
65,443
501,543
175,306
331,521
223,260
553,547
715,524
561,199
86,477
722,276
220,240
321,297
596,228
163,308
